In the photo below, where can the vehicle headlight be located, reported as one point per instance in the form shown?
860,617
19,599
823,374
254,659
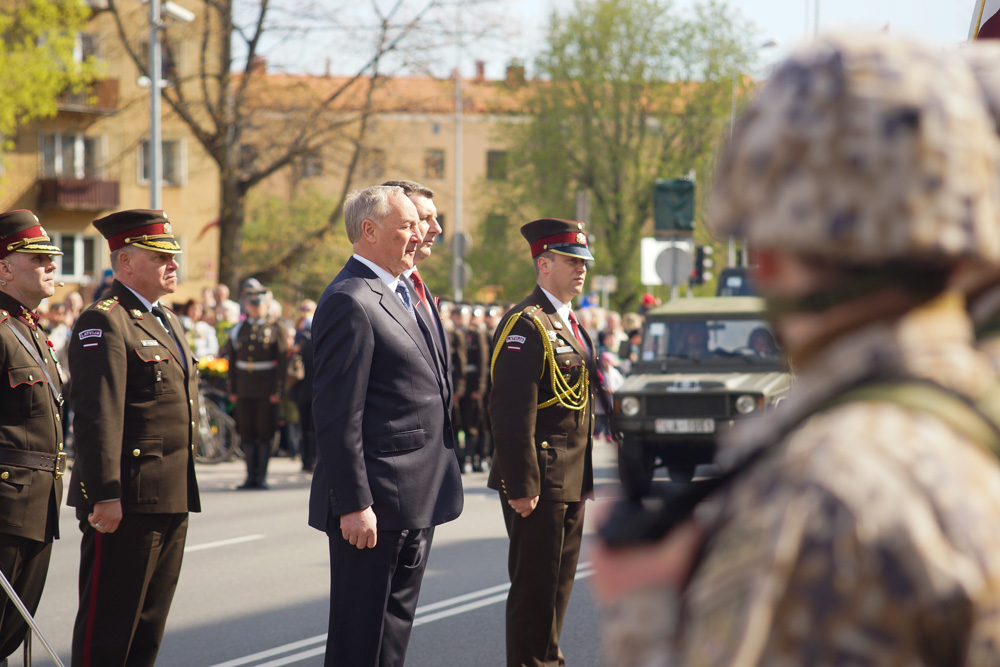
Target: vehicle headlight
746,404
630,406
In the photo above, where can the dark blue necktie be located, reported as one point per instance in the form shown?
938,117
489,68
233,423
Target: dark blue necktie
404,294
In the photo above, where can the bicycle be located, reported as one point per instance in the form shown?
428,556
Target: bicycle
219,441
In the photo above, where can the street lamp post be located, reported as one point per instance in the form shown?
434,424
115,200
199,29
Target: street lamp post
175,12
771,43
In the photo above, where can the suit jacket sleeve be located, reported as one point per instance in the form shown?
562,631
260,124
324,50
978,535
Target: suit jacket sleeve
513,406
100,373
343,343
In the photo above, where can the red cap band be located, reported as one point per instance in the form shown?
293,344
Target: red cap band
119,240
35,232
538,247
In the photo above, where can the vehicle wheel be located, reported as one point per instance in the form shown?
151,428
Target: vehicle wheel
681,473
635,467
219,439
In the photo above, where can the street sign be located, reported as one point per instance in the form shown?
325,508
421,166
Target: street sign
665,262
604,283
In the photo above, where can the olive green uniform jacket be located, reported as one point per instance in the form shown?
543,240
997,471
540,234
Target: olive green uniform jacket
135,397
29,421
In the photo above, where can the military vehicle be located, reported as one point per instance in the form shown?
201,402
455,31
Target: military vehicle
704,363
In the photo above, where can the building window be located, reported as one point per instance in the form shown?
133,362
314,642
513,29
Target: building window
85,46
372,163
168,63
174,171
80,261
70,156
496,165
434,164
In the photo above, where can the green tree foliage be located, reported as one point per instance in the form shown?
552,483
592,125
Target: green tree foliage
272,223
627,91
36,59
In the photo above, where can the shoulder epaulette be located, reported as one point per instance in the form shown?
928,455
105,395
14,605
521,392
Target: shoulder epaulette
531,311
106,305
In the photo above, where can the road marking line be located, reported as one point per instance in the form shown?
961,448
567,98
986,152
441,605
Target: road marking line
275,651
223,543
583,571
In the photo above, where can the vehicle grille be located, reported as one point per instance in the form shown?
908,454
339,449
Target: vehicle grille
688,405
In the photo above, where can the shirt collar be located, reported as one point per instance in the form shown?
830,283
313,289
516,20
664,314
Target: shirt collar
383,275
562,309
143,300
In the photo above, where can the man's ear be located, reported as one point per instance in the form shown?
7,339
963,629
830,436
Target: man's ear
6,270
369,230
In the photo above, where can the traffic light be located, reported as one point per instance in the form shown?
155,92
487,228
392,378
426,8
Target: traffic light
701,271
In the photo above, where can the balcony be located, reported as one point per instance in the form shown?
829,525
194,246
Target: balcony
70,194
101,97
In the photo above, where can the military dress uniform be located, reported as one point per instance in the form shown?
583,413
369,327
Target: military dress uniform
477,354
456,341
31,458
259,360
135,397
541,408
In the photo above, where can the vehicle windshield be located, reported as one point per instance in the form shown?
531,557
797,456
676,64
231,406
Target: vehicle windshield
716,340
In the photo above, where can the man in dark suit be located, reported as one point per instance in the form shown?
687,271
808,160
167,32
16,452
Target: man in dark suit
420,294
541,408
31,445
386,473
135,396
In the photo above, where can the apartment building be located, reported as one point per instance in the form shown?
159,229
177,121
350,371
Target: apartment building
92,158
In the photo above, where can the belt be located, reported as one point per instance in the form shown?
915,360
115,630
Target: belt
252,366
53,463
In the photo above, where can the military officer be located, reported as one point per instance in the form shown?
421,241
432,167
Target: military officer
857,523
259,357
541,408
476,375
456,341
135,397
31,457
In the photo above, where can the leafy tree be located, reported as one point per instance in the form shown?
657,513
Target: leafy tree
36,59
254,127
627,91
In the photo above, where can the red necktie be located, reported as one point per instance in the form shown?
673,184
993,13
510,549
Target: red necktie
576,330
421,290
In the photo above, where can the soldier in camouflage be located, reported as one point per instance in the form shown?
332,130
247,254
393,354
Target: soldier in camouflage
860,530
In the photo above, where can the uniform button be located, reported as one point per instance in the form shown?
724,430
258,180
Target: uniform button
253,336
60,446
192,424
250,348
190,401
36,334
31,378
157,357
57,416
4,475
545,445
136,452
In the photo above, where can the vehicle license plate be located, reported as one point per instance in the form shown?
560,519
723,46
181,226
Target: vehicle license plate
685,426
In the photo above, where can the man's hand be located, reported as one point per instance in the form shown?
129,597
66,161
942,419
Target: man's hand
523,506
106,516
358,528
275,398
619,572
232,398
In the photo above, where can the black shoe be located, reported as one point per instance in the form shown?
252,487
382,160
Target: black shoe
308,468
249,484
262,486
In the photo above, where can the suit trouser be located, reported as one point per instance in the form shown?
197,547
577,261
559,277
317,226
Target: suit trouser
257,421
544,550
127,582
25,563
373,597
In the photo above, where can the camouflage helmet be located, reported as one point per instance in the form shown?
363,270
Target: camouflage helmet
864,150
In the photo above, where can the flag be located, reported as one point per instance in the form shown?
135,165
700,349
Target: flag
985,20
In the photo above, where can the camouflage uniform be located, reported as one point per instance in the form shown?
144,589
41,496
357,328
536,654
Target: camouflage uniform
867,534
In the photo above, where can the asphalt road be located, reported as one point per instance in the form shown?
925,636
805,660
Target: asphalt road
254,588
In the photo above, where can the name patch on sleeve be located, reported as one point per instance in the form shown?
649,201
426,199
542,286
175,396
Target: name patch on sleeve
91,333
